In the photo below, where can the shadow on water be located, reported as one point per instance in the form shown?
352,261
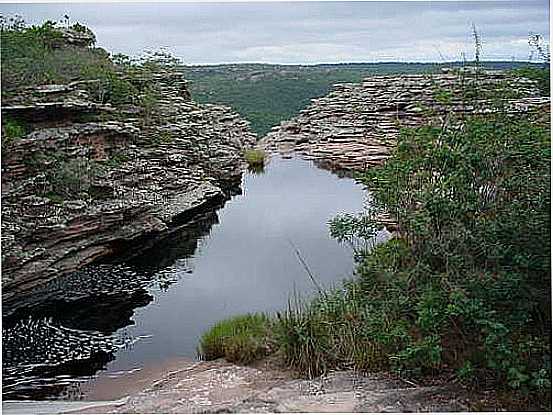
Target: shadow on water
119,316
68,337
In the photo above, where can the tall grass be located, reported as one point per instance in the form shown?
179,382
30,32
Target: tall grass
241,339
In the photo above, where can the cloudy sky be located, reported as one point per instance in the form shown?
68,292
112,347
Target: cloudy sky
307,33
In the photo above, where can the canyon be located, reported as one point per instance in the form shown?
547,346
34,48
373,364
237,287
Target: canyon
94,184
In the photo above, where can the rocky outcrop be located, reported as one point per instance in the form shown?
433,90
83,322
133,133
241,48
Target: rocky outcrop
51,103
91,179
356,125
219,387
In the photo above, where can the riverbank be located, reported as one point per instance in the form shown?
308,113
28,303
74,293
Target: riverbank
161,302
464,287
217,386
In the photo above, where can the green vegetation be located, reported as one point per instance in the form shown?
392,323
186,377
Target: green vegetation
12,130
465,285
71,179
240,339
268,94
44,54
56,53
117,159
38,55
35,55
148,101
255,159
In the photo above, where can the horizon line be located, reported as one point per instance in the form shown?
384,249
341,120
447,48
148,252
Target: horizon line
368,63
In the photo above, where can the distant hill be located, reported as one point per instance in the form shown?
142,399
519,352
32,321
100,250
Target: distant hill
268,94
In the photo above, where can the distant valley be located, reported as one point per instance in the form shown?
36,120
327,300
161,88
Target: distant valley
267,94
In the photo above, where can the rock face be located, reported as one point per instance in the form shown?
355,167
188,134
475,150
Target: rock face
90,180
219,387
356,125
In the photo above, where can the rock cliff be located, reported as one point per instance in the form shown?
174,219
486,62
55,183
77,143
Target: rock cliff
90,180
356,125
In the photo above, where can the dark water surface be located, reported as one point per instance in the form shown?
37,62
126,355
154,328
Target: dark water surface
121,318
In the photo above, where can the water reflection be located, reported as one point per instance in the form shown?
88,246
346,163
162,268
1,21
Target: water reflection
237,260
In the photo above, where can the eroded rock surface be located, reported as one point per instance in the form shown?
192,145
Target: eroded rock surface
219,387
89,180
356,125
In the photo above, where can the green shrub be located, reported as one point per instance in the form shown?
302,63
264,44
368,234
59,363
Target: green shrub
12,130
36,55
255,158
72,178
240,339
465,284
149,100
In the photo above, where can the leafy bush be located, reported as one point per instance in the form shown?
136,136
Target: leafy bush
36,55
149,100
240,339
465,285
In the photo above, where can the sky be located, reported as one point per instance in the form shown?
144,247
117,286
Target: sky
306,32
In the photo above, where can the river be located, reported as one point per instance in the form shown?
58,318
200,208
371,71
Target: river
124,318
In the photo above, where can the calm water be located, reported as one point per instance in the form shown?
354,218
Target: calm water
237,260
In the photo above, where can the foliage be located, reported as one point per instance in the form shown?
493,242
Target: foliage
465,284
12,130
34,55
111,86
255,158
241,339
117,159
70,179
357,231
149,100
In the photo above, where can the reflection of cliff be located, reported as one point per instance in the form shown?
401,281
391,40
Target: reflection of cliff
37,350
66,327
179,244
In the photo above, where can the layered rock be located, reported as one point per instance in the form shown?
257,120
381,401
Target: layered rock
90,180
356,125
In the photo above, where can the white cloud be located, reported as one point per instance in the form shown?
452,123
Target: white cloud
307,32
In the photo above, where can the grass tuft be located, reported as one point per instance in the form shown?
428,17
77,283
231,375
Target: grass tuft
241,339
255,158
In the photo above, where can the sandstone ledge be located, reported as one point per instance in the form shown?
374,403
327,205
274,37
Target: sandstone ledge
356,125
136,180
